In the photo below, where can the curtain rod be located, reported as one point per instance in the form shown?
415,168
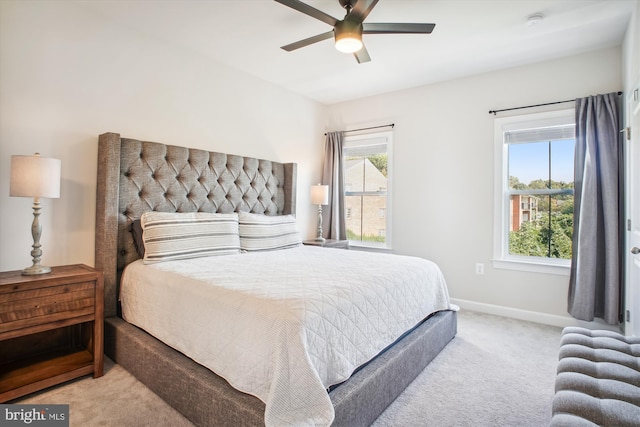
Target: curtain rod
494,112
373,127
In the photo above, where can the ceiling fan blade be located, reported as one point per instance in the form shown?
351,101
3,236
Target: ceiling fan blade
361,10
308,10
397,28
307,42
362,55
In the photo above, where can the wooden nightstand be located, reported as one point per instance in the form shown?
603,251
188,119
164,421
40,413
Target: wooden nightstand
51,328
329,243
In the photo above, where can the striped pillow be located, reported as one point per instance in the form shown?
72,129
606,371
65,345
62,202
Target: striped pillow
264,233
169,236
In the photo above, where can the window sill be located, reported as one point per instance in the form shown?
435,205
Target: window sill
533,267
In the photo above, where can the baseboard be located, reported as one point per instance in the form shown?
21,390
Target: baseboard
532,316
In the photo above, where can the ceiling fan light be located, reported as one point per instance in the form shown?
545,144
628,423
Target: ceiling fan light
348,44
348,36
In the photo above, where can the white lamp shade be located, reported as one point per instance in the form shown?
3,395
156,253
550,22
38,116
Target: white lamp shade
319,194
35,176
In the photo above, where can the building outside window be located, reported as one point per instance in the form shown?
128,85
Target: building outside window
534,191
367,175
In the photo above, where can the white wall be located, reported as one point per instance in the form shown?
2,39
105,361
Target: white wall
631,50
67,75
443,179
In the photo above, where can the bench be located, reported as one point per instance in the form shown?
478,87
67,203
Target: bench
598,379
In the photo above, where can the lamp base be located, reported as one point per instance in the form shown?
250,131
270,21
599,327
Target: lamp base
319,237
35,270
36,253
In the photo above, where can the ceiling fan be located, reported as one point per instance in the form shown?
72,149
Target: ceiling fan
348,31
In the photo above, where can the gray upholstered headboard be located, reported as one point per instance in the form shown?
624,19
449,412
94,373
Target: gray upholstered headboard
137,176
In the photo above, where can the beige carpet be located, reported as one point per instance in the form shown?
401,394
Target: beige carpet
496,372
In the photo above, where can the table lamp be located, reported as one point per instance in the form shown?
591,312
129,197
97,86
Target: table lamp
319,196
35,176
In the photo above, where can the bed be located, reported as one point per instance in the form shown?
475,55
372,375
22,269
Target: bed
137,177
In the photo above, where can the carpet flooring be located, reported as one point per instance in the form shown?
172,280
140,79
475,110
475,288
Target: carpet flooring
496,372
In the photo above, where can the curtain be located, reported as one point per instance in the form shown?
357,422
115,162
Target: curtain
332,175
595,281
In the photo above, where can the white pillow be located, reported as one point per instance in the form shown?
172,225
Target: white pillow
265,232
169,236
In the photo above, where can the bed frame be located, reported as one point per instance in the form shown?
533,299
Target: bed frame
135,177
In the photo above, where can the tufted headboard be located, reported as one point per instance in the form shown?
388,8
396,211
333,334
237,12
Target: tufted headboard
138,176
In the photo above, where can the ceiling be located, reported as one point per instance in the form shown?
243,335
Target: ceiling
470,37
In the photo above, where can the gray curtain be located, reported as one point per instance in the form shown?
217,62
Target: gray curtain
332,175
595,281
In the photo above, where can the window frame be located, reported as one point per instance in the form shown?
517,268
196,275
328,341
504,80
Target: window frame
351,141
501,257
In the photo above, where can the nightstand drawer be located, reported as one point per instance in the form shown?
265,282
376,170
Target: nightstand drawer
30,307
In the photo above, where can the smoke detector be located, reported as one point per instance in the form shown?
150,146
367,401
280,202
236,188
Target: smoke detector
534,20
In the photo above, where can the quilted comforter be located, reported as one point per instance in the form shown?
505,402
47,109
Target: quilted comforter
284,325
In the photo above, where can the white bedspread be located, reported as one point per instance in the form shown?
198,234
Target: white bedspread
284,325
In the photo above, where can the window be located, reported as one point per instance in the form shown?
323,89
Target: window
534,191
367,175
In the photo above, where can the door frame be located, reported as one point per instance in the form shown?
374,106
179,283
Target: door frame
631,313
